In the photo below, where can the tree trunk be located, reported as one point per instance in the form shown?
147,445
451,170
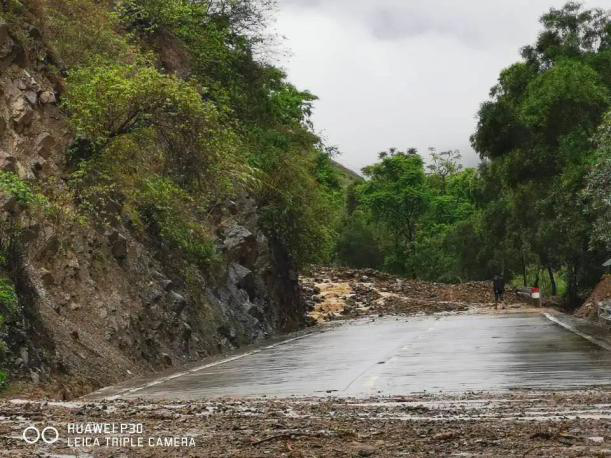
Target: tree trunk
524,271
572,287
552,281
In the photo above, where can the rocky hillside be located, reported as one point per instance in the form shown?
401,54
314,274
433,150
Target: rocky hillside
115,264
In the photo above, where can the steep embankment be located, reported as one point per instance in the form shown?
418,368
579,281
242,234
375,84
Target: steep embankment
101,302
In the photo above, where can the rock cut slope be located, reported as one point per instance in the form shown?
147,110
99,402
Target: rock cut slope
100,304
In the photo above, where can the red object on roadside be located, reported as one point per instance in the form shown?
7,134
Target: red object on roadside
535,293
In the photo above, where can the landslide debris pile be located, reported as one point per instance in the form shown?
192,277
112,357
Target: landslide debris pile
132,235
601,296
332,293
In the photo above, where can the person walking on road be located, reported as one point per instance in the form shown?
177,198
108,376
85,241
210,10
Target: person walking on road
498,285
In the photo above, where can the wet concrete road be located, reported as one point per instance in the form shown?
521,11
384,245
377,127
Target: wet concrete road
393,356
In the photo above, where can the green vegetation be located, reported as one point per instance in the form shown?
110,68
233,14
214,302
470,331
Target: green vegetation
9,305
173,115
20,190
410,219
539,203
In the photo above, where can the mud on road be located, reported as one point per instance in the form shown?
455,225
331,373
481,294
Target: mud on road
474,424
336,294
520,423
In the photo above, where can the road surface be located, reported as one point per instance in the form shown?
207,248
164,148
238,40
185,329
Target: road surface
396,356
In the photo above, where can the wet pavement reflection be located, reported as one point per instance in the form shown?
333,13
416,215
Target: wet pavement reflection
394,356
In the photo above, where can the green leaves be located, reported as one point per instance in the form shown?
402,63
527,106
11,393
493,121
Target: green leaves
597,192
567,96
8,298
13,185
537,131
110,102
170,213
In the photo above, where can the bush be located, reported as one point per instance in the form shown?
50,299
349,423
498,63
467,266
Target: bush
109,102
13,185
169,212
8,297
85,30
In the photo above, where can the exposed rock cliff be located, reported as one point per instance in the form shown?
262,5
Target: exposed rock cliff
97,304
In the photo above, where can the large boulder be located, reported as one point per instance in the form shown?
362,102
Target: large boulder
239,275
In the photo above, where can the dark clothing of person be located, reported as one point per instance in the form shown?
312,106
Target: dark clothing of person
498,284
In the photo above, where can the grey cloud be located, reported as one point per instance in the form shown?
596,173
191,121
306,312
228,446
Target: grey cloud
403,72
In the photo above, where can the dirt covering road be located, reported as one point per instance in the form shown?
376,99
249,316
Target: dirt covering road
518,424
513,423
334,294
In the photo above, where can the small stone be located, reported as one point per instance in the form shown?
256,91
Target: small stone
31,97
47,97
25,355
178,302
366,450
596,439
74,306
445,436
47,276
103,313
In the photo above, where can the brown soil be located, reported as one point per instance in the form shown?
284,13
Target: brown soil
601,293
344,293
533,424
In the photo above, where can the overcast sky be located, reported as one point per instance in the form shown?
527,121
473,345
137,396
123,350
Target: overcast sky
403,72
